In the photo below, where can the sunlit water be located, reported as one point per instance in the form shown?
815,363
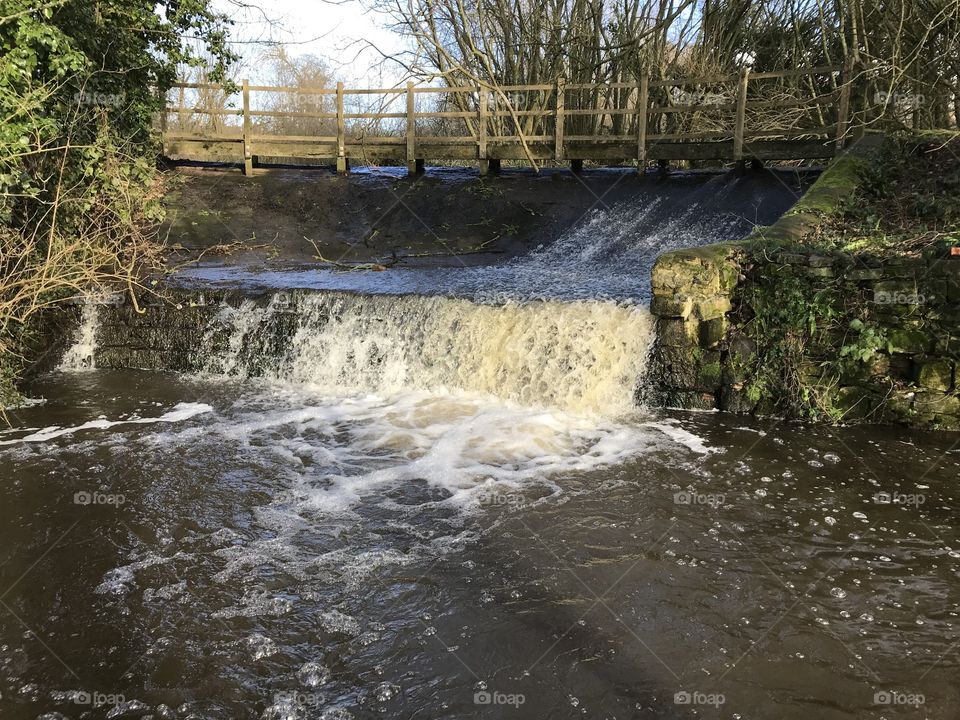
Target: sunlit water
247,549
607,254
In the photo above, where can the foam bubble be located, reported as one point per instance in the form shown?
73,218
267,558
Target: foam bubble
672,429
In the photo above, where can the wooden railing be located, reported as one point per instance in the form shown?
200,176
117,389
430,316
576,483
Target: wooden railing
748,116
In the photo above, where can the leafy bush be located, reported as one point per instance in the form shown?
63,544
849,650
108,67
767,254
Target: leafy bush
80,83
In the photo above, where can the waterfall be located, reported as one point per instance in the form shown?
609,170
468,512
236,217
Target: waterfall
579,355
80,355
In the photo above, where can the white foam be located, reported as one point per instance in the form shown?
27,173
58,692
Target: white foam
179,413
80,355
337,450
585,356
672,429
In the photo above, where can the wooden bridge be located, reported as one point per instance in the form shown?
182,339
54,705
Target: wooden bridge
732,118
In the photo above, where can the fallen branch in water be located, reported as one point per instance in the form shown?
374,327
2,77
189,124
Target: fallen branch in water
395,259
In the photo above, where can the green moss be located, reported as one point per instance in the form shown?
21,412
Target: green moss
9,396
710,374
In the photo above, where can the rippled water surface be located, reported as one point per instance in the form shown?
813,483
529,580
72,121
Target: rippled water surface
237,549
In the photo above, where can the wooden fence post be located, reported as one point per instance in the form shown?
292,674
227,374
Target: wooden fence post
247,146
341,132
482,109
843,112
642,102
181,114
411,131
558,152
741,115
163,125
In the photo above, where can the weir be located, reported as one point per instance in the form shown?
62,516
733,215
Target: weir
565,326
580,355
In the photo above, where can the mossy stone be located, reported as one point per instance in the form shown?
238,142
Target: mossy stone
935,374
906,341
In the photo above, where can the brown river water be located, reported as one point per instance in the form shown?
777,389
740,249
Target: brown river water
208,548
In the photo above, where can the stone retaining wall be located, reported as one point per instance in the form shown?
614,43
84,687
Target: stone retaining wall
164,335
882,345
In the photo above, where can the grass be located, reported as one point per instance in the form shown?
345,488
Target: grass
907,202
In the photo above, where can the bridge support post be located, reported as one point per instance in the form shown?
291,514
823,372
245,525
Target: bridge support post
341,132
642,124
163,127
247,145
482,110
560,91
741,116
413,165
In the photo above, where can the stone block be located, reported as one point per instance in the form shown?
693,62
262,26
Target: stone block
675,332
864,274
674,306
856,403
709,373
910,342
733,398
947,344
926,403
713,307
694,400
713,332
820,261
934,374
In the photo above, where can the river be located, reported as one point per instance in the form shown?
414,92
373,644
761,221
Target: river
410,506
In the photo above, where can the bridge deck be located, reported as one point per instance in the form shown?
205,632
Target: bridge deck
731,118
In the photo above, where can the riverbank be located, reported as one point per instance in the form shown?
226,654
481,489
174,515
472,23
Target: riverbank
842,311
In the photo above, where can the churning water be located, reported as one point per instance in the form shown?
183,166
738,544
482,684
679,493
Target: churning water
423,506
578,356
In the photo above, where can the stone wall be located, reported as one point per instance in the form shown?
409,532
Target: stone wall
161,334
848,337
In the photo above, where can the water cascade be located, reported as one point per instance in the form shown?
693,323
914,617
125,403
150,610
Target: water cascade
581,356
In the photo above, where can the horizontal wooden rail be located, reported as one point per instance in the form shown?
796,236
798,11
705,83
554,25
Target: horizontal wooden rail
649,118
